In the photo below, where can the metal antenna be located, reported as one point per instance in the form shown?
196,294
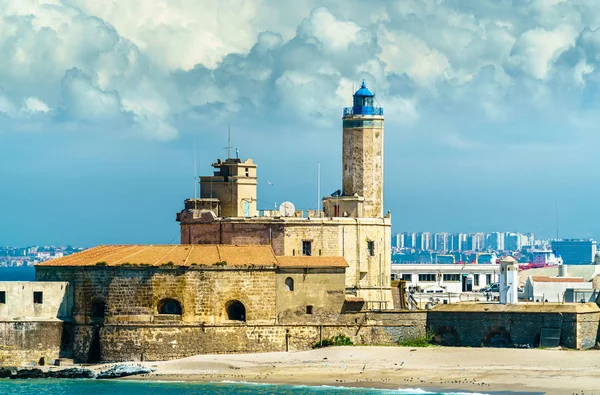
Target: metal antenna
228,141
318,187
556,214
195,177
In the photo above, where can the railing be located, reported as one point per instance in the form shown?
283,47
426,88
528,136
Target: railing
363,110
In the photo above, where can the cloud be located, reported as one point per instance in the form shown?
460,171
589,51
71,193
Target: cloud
158,69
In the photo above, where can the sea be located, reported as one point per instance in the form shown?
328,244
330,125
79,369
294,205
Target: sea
101,387
20,273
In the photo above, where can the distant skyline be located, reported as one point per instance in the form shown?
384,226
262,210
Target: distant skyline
491,110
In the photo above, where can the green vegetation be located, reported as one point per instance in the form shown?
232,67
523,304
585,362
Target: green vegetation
168,264
222,263
422,340
101,263
339,340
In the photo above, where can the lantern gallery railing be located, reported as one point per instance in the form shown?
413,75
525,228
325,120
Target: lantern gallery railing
363,110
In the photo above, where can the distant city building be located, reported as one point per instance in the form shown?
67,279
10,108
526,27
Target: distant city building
458,241
423,241
440,241
575,251
545,257
409,240
495,241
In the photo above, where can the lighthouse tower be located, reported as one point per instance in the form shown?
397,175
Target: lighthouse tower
362,156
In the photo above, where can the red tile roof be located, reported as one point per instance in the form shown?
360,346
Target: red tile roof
546,279
191,255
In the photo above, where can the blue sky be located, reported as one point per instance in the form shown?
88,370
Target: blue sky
491,110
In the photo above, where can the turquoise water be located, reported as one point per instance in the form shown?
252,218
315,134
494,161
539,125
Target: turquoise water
100,387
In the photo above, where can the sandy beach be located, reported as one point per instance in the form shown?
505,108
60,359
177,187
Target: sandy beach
435,368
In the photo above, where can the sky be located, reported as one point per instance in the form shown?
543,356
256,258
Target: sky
491,110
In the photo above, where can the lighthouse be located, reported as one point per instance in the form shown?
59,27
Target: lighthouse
362,152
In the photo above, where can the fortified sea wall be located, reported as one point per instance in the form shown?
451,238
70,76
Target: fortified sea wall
25,343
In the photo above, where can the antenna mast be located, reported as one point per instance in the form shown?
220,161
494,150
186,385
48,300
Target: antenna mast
318,187
228,141
195,178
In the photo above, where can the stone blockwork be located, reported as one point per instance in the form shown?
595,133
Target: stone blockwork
133,294
32,342
161,342
513,325
369,272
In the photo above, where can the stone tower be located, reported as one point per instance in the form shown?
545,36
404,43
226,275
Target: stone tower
362,156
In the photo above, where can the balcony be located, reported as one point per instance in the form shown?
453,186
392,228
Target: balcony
363,110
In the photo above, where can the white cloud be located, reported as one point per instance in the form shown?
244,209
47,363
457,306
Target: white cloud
158,67
34,105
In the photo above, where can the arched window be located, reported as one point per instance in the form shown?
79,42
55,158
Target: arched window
169,306
235,310
289,284
98,309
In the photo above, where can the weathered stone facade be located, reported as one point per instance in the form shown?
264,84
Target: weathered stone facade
122,342
368,276
33,342
477,325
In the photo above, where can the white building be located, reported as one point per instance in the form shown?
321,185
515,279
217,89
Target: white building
545,257
552,289
450,278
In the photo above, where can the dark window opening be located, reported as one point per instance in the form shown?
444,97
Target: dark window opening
2,297
169,306
476,279
247,172
98,309
38,297
488,279
307,248
289,284
309,309
430,277
407,277
236,311
371,248
336,210
451,277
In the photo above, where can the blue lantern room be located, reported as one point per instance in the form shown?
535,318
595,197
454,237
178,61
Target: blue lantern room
363,103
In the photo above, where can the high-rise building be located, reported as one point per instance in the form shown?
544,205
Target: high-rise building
575,251
440,241
458,241
410,240
423,241
512,241
495,241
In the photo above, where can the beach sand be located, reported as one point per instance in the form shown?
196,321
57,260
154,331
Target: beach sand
482,370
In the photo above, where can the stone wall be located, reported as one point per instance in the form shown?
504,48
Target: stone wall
321,289
161,342
25,343
493,325
133,294
56,300
348,237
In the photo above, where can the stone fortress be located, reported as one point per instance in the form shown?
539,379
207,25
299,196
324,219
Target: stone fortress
248,281
351,225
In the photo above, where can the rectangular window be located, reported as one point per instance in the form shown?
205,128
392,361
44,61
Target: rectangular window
371,248
476,279
309,309
488,279
2,297
307,248
452,277
38,297
427,277
247,172
407,277
336,210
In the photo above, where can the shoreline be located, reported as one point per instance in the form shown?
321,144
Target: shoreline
434,369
